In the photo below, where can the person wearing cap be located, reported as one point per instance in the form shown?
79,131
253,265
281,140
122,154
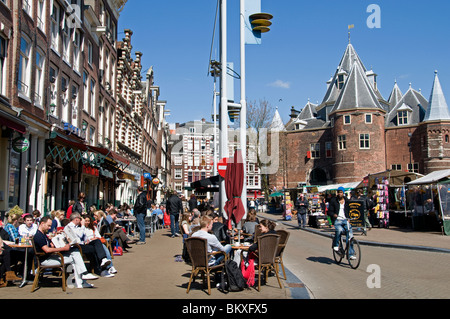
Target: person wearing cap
301,205
338,211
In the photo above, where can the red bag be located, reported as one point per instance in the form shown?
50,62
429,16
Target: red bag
249,272
166,220
118,251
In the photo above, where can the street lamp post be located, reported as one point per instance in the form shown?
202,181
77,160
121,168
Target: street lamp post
223,124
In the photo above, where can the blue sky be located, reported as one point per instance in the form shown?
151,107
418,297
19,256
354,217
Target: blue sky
299,54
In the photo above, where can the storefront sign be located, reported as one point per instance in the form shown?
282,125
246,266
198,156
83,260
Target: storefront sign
20,144
147,176
356,213
155,181
90,171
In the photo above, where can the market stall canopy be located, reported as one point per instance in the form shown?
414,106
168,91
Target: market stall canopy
347,186
277,194
431,178
396,178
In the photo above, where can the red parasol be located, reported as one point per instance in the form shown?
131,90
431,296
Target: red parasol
234,183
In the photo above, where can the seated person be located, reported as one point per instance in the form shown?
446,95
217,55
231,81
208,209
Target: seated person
93,249
12,227
206,223
28,228
250,223
117,233
267,227
91,234
71,255
6,274
219,229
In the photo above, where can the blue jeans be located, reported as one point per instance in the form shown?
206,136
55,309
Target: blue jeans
343,226
140,218
301,220
174,224
222,256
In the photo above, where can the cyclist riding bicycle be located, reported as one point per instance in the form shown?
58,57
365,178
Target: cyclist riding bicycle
338,211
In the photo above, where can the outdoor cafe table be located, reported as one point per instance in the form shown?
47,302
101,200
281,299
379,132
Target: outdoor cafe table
25,267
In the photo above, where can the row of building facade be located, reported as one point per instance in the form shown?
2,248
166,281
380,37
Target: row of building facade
77,111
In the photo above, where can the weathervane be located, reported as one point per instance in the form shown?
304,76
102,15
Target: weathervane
351,26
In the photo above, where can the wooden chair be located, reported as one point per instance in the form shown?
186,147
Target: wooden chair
267,250
284,236
198,252
40,269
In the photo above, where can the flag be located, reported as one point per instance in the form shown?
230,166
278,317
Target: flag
351,26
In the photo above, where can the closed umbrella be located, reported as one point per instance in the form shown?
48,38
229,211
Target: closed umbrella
234,183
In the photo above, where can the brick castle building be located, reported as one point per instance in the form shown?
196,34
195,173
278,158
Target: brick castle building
355,132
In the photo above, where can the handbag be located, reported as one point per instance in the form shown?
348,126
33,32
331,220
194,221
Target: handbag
118,251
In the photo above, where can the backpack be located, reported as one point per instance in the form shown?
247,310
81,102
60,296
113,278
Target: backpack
235,279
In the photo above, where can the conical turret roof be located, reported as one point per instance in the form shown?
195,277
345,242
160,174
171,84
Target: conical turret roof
357,91
437,106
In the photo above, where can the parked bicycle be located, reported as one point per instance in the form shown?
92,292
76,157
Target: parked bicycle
344,251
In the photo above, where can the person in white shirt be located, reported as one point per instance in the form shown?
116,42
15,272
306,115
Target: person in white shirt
214,244
93,250
28,228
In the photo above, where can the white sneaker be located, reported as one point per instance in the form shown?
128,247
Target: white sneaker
105,262
112,270
89,277
85,285
106,273
336,248
352,257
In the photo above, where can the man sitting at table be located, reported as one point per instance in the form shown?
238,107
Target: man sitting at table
206,223
94,250
71,255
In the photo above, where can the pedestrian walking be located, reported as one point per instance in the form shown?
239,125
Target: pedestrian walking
140,211
174,209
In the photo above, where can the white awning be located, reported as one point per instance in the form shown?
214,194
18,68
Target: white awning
432,178
347,186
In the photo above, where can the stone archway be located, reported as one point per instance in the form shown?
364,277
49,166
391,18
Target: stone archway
318,176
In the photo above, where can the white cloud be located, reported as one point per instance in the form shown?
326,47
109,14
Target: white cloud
280,84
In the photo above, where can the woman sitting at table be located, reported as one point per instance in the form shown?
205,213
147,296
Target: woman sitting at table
250,223
91,233
267,227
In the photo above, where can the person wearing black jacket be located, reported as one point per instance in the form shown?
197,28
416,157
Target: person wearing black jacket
192,203
174,208
140,211
339,212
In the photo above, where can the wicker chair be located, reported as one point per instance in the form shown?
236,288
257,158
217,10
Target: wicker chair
267,250
284,236
198,251
40,269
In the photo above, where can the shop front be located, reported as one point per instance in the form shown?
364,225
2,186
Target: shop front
13,129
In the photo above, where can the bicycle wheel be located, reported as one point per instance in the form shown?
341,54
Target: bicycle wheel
354,263
338,255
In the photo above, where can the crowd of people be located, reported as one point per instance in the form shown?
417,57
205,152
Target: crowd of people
91,235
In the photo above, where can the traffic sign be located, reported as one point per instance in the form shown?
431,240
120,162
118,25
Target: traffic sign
222,167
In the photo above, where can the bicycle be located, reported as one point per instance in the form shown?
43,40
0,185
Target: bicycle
353,260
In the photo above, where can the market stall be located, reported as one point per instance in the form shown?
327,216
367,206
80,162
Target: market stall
432,201
391,197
